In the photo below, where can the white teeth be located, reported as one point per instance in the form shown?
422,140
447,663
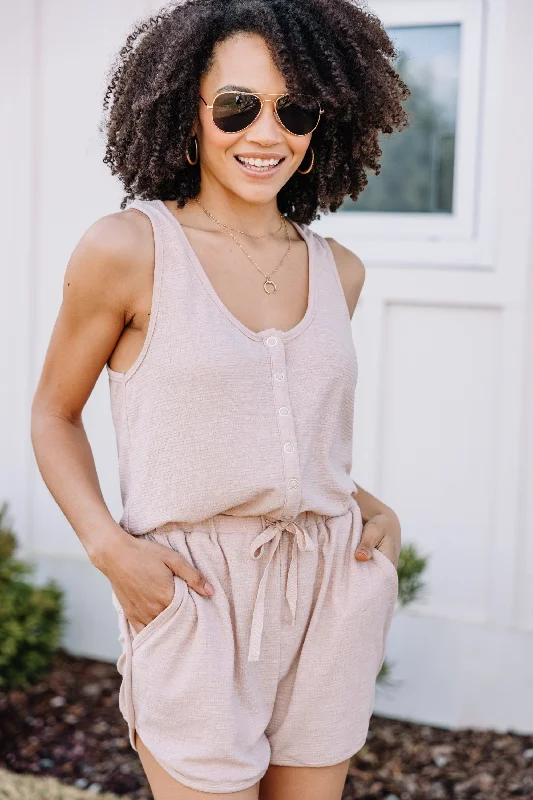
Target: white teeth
259,162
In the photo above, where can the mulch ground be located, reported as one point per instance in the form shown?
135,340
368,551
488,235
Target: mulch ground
69,727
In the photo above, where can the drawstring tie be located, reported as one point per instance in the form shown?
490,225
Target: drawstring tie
301,541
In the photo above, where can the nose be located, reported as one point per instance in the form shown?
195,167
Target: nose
266,128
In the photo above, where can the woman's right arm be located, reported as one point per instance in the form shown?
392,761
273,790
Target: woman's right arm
100,287
98,294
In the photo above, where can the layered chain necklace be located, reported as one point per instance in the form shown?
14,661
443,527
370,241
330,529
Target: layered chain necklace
268,278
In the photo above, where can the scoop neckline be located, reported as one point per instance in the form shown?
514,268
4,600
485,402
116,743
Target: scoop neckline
256,335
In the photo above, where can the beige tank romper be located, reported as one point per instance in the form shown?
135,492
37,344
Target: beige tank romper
235,449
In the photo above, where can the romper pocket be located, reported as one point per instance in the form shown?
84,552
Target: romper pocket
130,643
390,601
136,639
387,564
180,587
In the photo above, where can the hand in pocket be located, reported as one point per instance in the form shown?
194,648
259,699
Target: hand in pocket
142,576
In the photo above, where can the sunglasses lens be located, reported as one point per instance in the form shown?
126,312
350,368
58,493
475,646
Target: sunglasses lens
299,113
232,112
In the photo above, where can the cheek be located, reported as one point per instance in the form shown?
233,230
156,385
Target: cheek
217,145
299,147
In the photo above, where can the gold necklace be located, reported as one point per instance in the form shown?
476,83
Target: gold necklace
268,280
253,235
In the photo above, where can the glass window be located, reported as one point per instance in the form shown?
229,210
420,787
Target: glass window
418,163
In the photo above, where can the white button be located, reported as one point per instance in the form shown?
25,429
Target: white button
283,411
279,376
288,447
293,483
271,341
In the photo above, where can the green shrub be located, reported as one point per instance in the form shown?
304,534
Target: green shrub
411,565
31,617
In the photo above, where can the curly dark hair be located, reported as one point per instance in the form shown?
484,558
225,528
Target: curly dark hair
334,49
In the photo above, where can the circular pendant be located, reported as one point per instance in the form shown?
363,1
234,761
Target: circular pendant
272,291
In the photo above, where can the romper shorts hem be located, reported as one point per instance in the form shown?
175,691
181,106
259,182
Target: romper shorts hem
330,762
207,786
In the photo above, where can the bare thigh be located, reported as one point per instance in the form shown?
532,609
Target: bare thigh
304,783
164,787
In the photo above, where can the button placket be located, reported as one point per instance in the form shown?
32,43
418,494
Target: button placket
283,411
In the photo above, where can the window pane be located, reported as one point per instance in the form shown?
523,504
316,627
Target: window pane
418,162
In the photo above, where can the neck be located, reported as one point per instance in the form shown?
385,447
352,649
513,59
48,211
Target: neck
255,218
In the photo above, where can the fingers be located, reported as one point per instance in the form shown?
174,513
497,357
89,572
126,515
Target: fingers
193,576
181,567
150,611
375,537
362,557
370,538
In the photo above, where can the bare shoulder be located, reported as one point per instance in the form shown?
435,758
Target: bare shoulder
120,239
101,289
112,256
351,272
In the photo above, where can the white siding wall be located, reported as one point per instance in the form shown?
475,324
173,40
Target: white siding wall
444,407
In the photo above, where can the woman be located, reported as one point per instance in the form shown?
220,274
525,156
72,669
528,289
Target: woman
251,629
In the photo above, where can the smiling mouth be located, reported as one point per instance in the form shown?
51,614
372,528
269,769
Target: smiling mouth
263,166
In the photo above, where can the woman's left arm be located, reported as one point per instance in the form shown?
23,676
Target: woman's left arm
381,526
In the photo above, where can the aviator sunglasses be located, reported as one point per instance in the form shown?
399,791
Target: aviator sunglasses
233,112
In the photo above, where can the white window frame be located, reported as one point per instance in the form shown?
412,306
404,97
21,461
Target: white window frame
413,237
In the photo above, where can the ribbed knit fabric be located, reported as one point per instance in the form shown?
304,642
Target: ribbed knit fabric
215,418
235,451
213,718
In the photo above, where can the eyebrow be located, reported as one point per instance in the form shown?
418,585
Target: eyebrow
231,87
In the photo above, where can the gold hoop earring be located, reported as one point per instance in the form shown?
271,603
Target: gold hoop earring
192,163
305,172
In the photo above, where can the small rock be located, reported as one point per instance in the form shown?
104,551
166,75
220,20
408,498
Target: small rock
92,689
437,792
95,788
485,781
58,701
121,743
81,783
100,727
17,697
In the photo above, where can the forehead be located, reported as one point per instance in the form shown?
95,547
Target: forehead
243,63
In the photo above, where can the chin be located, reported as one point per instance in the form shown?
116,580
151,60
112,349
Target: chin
259,195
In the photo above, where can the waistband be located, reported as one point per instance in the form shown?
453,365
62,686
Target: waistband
268,530
228,523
